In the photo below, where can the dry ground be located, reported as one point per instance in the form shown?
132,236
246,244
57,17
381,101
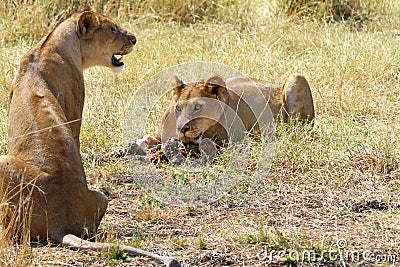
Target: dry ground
338,182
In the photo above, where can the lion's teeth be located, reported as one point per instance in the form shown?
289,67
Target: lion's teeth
117,61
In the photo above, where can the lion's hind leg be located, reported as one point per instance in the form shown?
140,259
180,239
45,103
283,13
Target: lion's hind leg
297,99
15,194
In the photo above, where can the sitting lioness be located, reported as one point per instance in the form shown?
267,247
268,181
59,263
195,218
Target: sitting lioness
43,183
214,109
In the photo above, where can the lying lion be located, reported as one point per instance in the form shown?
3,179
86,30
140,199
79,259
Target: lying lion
42,177
221,111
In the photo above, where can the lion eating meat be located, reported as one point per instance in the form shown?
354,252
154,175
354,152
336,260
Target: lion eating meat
213,109
42,177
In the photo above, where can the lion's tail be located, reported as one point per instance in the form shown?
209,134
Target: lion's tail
77,243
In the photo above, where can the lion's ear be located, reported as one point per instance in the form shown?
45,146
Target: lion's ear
88,8
88,23
215,85
178,85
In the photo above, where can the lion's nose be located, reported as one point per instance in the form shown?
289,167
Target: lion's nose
184,129
132,39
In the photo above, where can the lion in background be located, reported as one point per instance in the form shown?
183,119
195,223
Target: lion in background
221,111
42,179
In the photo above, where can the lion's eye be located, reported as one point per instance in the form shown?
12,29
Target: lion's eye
197,107
178,109
113,29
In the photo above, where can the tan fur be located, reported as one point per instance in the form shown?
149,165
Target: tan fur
245,96
43,175
297,99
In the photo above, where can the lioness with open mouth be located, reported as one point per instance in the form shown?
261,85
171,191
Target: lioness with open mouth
42,177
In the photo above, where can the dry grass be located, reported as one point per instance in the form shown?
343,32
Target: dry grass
337,181
24,14
355,11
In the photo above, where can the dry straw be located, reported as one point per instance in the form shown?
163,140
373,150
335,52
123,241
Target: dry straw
337,180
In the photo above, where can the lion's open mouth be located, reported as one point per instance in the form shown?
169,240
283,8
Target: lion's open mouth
116,60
